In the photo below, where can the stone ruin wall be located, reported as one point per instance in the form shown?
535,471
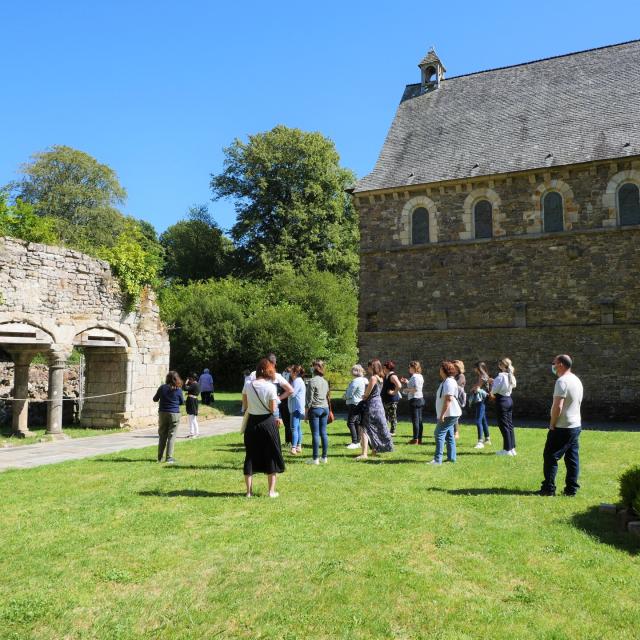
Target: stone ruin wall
70,299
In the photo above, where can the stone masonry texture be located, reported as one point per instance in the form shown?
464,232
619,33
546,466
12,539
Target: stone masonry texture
524,294
54,298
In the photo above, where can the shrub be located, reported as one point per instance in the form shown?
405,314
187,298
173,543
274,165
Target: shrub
630,487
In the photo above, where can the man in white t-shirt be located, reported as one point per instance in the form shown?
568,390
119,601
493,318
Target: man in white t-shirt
283,388
563,437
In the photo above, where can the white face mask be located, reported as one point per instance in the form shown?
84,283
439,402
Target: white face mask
554,370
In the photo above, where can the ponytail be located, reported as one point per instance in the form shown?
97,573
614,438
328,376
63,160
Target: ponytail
507,366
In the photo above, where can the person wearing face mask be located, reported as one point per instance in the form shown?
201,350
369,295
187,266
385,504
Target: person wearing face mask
564,429
503,384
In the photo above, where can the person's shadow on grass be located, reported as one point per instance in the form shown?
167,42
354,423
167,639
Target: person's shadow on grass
191,493
485,491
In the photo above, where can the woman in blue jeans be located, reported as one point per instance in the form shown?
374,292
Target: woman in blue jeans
318,412
296,404
479,397
447,412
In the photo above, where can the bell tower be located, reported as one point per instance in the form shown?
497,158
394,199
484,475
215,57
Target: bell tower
432,71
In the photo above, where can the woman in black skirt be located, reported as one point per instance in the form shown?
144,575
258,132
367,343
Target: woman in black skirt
261,435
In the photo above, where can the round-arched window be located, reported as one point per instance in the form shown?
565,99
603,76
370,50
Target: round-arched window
629,204
483,219
420,226
552,212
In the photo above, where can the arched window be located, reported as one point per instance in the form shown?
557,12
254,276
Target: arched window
420,226
483,219
629,204
552,214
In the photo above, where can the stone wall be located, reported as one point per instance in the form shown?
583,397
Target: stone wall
55,298
523,294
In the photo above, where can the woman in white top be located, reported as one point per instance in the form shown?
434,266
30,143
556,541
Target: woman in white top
416,399
353,396
297,402
261,436
447,412
501,389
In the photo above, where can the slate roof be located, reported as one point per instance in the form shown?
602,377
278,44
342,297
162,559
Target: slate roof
564,110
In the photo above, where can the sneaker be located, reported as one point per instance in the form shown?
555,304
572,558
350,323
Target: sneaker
171,461
480,445
361,458
312,461
513,452
414,441
248,495
294,451
434,462
487,442
299,449
544,492
273,494
324,460
502,452
353,445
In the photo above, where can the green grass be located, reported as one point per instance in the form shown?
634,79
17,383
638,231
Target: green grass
226,404
121,547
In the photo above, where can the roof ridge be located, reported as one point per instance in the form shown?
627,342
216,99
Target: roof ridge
523,64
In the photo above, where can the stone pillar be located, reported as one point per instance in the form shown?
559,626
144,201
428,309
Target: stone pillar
20,419
57,364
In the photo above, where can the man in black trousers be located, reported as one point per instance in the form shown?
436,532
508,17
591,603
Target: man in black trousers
564,429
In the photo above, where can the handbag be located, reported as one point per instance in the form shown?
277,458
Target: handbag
331,417
245,417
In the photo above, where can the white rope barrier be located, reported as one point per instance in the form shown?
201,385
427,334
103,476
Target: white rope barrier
102,395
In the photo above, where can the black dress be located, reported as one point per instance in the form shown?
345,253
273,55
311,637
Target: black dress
193,391
262,445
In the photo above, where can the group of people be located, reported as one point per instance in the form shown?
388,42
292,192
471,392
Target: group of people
372,402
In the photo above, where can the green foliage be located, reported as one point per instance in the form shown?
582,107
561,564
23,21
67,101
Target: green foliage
133,261
292,209
229,324
196,248
630,487
19,220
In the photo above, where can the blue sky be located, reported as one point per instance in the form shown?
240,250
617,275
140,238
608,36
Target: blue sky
157,89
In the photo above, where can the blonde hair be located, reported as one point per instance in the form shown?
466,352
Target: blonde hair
460,365
415,365
505,364
357,370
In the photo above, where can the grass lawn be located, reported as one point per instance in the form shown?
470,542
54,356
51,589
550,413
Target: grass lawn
226,404
121,547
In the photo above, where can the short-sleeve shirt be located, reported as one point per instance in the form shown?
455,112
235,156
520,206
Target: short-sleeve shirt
259,394
416,381
318,390
502,384
569,387
448,387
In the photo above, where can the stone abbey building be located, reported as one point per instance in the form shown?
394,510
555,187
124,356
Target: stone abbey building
502,218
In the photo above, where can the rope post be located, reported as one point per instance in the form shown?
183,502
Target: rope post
20,418
57,364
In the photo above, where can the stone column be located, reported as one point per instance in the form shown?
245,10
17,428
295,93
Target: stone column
57,364
20,419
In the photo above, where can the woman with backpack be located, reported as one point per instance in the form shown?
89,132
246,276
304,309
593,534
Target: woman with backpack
461,381
478,400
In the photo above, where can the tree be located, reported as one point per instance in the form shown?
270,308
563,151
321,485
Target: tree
77,190
20,221
289,193
196,248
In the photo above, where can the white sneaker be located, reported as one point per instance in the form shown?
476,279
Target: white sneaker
479,446
273,494
487,442
312,461
434,462
502,452
324,460
512,452
353,445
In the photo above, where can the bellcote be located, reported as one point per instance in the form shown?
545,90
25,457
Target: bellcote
432,71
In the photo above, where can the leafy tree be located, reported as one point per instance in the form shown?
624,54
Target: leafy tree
289,193
196,248
20,221
77,190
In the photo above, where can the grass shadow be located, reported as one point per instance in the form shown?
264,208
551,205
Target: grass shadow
191,493
122,459
603,528
485,491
